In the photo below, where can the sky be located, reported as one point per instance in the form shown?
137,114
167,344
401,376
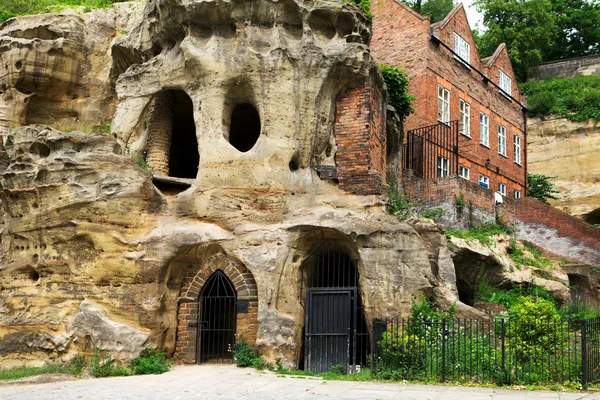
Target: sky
475,18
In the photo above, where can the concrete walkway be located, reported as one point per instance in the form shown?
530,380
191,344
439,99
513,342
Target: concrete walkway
229,382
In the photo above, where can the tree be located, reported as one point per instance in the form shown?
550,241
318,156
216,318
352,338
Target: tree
578,29
540,188
436,10
528,27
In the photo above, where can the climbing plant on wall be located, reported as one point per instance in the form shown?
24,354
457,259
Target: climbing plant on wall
396,82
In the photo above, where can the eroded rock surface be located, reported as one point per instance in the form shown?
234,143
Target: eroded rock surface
569,151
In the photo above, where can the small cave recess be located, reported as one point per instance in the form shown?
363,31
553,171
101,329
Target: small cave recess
244,130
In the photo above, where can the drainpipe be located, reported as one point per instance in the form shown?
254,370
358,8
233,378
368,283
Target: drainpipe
524,109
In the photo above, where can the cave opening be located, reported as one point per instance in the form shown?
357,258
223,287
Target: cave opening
183,155
244,130
592,217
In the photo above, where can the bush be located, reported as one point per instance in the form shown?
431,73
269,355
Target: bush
13,8
339,369
540,188
244,354
396,82
101,364
399,205
483,233
489,294
150,362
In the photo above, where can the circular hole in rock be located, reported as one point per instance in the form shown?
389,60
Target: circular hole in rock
18,65
34,276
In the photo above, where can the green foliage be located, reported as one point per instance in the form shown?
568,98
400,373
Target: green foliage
490,294
526,26
540,188
244,354
459,203
101,364
483,233
13,8
537,259
433,213
399,205
74,367
365,5
141,162
150,362
576,98
436,10
339,369
396,82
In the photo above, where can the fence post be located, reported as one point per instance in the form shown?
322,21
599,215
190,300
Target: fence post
584,381
502,336
443,350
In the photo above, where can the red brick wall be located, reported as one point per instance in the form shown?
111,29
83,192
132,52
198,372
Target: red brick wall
401,37
187,316
361,141
558,232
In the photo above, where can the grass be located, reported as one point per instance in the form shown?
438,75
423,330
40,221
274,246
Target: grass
74,368
576,98
520,258
482,233
14,8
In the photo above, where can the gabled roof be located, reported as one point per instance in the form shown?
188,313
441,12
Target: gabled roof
410,10
442,24
489,61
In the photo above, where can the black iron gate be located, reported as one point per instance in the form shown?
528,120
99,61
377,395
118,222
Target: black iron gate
216,320
329,328
335,329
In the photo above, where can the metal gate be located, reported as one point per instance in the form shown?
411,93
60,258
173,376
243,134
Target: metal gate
217,320
335,330
329,328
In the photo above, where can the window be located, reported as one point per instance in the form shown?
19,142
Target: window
504,82
517,146
484,181
502,140
517,194
484,129
465,113
442,166
502,189
443,104
462,48
464,172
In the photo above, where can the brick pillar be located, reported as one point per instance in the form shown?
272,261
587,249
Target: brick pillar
160,132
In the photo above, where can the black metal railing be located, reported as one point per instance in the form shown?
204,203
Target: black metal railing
424,145
501,351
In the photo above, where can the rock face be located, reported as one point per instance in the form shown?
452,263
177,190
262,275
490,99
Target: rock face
568,150
238,107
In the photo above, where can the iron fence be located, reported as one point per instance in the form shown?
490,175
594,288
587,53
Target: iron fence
432,151
501,351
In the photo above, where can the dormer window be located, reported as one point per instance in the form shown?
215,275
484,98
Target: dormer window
462,48
505,83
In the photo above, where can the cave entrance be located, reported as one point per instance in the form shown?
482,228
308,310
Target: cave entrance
335,330
217,320
592,217
172,149
245,127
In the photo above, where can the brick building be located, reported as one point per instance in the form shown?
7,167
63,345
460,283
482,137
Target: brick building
468,120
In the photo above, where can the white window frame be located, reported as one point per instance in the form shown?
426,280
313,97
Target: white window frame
465,118
517,148
484,129
517,194
502,188
462,48
505,83
464,172
443,164
443,104
502,140
484,179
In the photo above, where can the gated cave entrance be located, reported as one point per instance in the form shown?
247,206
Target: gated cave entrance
335,331
216,320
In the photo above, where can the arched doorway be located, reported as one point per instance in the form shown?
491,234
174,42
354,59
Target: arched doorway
216,320
335,331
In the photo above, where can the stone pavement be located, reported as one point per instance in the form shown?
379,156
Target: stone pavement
229,382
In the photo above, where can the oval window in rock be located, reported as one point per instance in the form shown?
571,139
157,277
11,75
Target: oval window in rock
244,130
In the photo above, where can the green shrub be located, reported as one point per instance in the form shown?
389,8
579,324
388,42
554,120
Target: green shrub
339,369
244,354
150,362
396,82
399,205
489,294
13,8
520,259
74,367
433,213
576,98
101,364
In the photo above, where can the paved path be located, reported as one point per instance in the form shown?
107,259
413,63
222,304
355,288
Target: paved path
229,382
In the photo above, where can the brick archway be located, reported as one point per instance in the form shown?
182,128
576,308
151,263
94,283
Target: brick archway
187,315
